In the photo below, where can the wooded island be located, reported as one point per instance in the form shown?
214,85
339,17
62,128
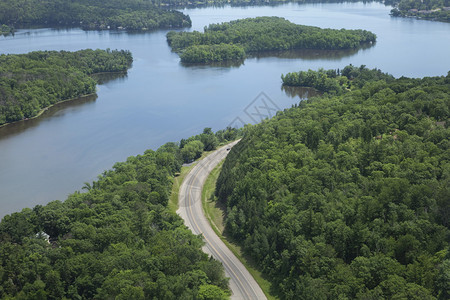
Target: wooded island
234,40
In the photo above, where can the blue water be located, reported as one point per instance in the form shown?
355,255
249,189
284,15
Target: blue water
161,100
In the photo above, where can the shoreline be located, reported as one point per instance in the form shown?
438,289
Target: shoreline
42,111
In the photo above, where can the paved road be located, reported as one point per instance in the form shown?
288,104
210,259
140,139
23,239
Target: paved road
242,284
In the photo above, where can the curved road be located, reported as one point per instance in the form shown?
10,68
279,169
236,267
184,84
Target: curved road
242,284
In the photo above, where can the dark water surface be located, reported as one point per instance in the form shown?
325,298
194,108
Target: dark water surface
160,100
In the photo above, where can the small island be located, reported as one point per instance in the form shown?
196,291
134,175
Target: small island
91,14
236,39
6,30
30,83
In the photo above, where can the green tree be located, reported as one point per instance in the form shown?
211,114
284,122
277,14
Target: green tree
192,150
211,292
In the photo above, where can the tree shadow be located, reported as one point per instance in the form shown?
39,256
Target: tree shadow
104,78
302,92
311,54
304,54
218,64
57,110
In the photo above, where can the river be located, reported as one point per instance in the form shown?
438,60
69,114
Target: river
160,100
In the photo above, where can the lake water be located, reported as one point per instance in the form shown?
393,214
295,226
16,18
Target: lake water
160,100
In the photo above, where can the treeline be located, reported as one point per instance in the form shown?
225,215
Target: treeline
335,82
193,147
118,240
438,10
31,82
91,14
347,197
261,34
212,53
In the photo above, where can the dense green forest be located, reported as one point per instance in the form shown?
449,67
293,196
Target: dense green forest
193,147
335,81
91,14
31,82
347,196
118,240
212,53
260,34
425,9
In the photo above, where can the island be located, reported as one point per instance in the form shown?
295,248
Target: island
236,39
6,30
30,83
91,14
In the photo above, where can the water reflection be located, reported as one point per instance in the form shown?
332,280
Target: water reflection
217,64
302,92
305,54
5,34
162,101
312,54
103,78
58,110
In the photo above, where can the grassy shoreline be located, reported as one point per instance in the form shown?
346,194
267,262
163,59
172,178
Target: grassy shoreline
178,180
215,213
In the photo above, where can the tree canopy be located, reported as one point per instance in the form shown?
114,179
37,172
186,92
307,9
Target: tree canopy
335,81
118,240
6,30
212,53
91,14
193,147
260,34
347,196
31,82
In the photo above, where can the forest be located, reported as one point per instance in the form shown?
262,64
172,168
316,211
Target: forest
335,82
193,147
91,14
116,240
212,53
347,196
31,82
259,34
438,10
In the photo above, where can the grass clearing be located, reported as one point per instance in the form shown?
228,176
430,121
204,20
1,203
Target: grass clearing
215,213
178,180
